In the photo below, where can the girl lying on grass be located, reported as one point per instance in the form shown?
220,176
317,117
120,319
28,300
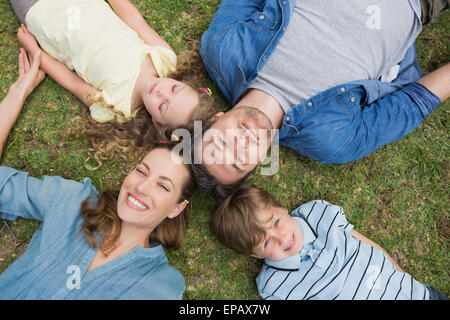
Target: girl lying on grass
120,64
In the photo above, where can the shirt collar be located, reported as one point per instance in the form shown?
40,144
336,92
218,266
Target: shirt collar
292,263
152,252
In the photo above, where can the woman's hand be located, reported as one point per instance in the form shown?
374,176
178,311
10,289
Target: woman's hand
27,40
30,75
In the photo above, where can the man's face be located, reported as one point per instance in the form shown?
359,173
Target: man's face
236,143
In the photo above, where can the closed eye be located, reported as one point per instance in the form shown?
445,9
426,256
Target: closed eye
164,187
140,171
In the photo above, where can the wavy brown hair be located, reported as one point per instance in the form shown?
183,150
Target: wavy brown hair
131,139
102,225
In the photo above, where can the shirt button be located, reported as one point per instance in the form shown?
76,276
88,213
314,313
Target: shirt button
287,118
352,99
309,104
264,58
284,28
74,281
261,17
284,2
343,89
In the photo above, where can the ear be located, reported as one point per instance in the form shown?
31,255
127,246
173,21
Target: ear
178,209
156,124
257,257
218,115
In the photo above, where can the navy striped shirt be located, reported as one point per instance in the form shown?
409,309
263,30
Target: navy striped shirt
334,265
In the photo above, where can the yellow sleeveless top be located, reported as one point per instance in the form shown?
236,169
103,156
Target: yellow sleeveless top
89,38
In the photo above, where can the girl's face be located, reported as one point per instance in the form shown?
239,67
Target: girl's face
170,102
150,193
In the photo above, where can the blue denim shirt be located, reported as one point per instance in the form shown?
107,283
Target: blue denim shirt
55,262
339,125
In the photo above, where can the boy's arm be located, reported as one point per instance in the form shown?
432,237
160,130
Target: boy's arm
59,72
360,237
133,18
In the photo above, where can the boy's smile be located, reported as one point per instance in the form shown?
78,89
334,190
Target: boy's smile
283,235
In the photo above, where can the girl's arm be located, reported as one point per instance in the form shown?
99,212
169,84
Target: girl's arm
29,77
360,237
133,18
59,72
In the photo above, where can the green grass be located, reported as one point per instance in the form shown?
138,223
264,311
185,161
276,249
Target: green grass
398,196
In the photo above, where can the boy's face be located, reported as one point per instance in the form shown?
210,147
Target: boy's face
283,235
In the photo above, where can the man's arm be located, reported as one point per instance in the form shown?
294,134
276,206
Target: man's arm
438,82
29,77
391,117
134,19
360,237
58,71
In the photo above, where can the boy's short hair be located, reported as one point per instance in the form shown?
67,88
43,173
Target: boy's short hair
234,221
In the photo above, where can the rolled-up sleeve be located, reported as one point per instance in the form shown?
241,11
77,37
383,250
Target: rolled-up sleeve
31,198
387,120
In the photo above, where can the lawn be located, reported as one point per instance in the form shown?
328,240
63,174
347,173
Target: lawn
398,196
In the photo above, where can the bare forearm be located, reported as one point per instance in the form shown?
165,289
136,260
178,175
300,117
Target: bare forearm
438,82
134,19
67,78
9,111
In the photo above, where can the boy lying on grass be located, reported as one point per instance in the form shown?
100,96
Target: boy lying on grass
312,253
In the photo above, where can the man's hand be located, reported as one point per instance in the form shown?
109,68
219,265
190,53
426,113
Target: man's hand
30,75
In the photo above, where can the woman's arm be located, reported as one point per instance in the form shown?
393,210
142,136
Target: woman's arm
360,237
59,72
133,18
29,77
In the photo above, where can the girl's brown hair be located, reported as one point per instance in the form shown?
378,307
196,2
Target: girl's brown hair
131,139
102,225
234,221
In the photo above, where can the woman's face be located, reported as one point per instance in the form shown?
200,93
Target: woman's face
150,193
170,102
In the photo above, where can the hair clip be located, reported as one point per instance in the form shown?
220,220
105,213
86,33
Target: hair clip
175,138
162,142
187,201
207,90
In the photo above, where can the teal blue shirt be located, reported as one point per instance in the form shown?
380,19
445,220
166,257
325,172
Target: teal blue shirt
55,263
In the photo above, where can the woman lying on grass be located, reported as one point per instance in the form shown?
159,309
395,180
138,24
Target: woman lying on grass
93,245
120,64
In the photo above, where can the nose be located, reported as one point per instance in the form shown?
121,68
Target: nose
144,187
241,147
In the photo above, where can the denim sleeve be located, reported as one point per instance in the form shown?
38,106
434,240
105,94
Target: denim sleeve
387,120
31,198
